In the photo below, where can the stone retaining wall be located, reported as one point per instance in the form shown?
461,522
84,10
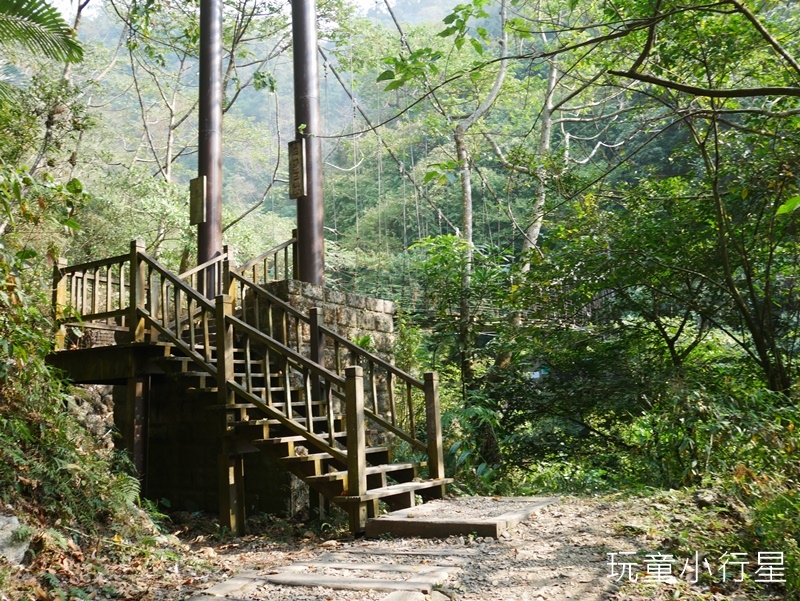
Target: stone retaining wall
350,315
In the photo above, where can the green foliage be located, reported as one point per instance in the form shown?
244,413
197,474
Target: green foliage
41,129
457,24
440,262
367,342
789,206
776,525
408,349
50,466
264,81
474,455
408,68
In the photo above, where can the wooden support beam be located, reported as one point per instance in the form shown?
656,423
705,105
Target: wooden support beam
138,289
231,492
356,446
317,350
318,505
225,346
433,422
228,285
231,464
132,420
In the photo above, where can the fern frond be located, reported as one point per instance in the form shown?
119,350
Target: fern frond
126,488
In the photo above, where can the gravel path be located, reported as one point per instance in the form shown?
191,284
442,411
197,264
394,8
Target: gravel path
559,554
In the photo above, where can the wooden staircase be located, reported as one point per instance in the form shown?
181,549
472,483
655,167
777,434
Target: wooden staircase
331,413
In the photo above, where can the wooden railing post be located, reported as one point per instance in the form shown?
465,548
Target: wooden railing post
138,288
226,282
158,310
59,301
317,350
433,423
225,367
356,446
295,266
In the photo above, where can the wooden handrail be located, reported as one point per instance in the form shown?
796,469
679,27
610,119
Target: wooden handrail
190,352
372,357
312,437
178,283
104,315
90,292
218,259
233,327
95,264
376,369
271,252
418,444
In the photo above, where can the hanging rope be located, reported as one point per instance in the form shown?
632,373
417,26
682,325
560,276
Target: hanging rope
355,142
408,174
416,195
380,201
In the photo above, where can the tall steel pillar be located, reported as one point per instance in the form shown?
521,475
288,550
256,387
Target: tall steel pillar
209,160
308,126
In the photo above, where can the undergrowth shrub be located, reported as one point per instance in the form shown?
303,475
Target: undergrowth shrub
50,466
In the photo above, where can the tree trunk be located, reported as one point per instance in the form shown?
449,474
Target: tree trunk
465,174
465,317
540,188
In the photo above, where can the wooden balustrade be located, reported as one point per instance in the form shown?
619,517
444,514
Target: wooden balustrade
95,293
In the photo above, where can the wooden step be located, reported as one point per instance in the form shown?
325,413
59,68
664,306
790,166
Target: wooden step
398,496
385,468
257,375
315,464
327,457
279,405
175,364
309,464
334,483
284,446
260,389
277,441
375,455
317,419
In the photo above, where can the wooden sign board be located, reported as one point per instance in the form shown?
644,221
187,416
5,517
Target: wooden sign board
197,200
297,169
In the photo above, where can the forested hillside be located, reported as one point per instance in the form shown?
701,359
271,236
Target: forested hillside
585,211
